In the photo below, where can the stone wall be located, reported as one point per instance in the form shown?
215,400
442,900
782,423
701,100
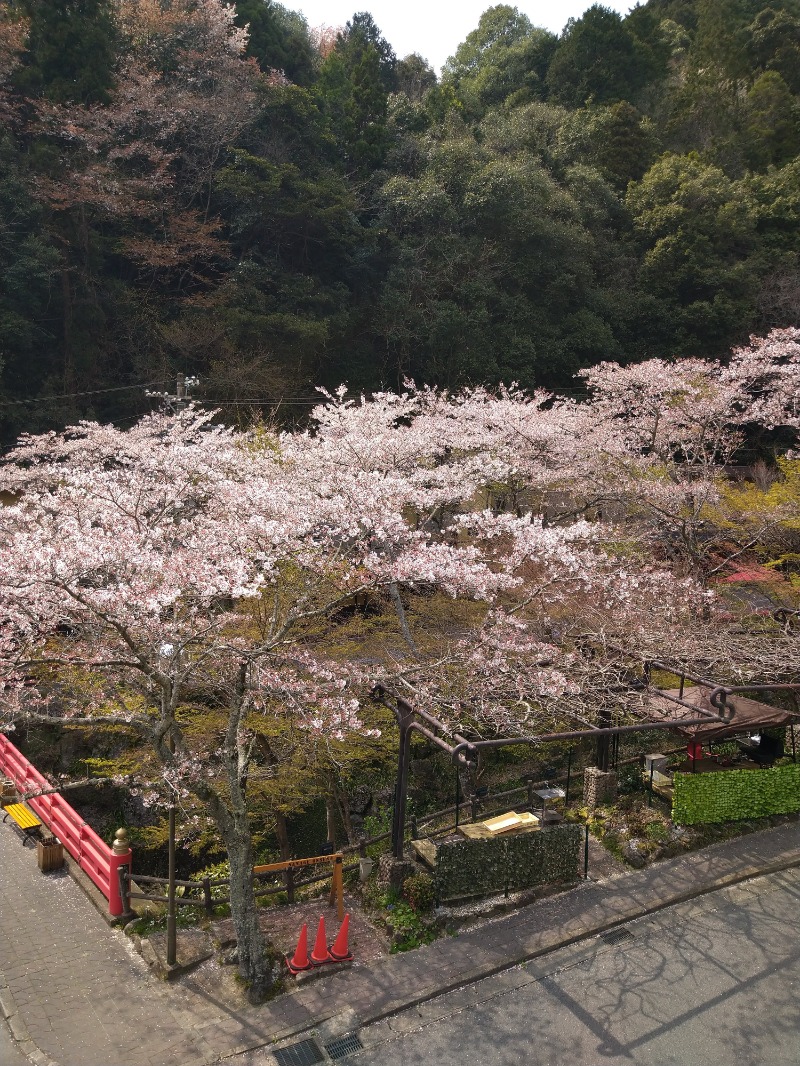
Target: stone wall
599,787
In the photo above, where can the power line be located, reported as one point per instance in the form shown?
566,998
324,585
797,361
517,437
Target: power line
88,392
261,400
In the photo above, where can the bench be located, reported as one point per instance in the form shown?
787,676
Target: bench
25,822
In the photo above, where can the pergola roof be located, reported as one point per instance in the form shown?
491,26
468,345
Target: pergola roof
748,715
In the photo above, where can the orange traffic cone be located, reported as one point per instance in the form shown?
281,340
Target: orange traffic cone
300,961
340,951
320,955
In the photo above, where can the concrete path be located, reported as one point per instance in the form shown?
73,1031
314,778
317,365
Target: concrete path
71,987
76,994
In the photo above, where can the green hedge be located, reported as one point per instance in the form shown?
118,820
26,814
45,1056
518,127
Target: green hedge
731,795
480,867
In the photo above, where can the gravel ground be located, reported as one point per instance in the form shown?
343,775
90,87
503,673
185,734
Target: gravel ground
281,925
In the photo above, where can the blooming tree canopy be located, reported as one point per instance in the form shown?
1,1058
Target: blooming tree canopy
184,580
179,569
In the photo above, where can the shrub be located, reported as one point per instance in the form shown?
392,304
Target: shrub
419,892
657,832
216,872
408,930
735,795
629,778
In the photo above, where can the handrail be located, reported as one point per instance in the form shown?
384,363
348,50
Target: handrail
97,860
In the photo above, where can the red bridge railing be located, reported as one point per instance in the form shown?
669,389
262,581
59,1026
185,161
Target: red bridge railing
97,860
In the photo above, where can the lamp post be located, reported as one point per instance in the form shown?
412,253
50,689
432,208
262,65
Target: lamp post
167,651
172,937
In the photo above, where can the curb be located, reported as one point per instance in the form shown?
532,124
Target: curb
19,1030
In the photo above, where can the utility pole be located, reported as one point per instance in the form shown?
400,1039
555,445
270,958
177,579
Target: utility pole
175,402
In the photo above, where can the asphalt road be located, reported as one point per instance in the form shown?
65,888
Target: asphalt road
713,982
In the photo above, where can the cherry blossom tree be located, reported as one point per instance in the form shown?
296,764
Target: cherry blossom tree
647,447
131,553
183,92
671,428
185,580
13,32
179,579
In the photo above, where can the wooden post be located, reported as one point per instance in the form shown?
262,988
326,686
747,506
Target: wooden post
123,879
604,740
172,934
172,931
290,884
208,902
339,871
337,886
405,716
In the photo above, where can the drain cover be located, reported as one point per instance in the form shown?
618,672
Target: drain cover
345,1045
614,936
306,1053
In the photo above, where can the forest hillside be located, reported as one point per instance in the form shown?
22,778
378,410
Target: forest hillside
225,192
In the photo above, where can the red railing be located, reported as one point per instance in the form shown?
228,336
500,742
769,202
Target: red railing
97,860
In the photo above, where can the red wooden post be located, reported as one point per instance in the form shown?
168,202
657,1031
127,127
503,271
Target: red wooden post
120,856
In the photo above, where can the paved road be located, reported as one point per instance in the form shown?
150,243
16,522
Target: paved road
84,997
10,1055
713,982
76,994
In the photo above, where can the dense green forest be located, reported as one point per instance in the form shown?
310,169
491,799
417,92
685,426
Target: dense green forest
285,208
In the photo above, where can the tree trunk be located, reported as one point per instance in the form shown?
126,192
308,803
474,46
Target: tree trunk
344,810
330,817
66,296
282,833
254,965
234,825
394,592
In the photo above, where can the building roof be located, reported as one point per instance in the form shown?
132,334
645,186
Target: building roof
749,716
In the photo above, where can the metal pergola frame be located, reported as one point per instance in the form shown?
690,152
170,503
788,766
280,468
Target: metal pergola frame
465,752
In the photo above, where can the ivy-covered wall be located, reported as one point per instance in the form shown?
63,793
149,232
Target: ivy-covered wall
480,867
731,795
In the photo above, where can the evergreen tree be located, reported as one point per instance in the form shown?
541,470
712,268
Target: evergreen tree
71,50
354,84
278,39
504,59
597,58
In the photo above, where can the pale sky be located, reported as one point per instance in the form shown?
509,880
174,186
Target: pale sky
435,28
